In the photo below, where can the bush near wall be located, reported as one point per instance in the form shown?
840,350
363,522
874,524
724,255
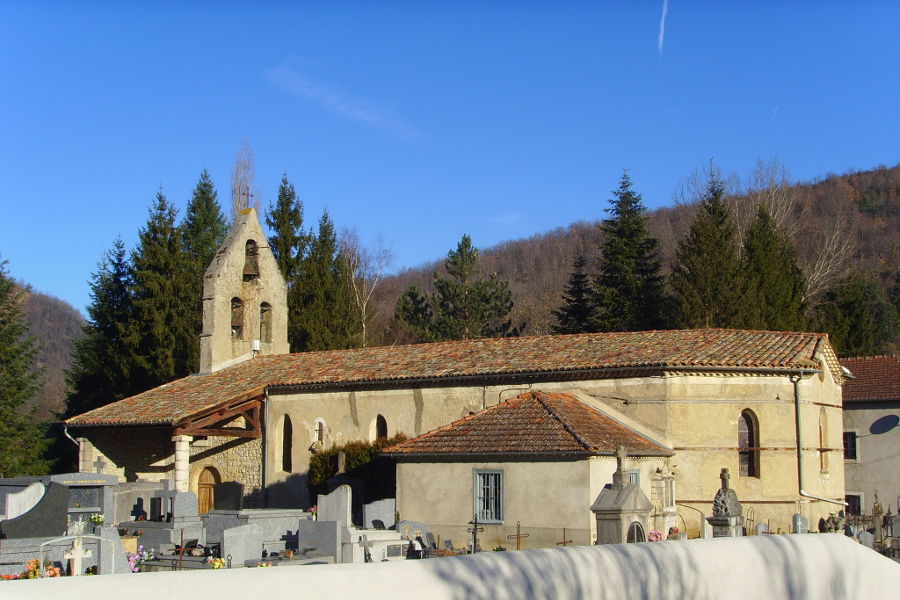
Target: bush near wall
361,463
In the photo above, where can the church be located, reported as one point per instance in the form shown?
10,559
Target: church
765,405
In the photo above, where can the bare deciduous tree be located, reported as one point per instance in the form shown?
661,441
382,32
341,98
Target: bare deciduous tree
829,250
366,267
242,187
768,185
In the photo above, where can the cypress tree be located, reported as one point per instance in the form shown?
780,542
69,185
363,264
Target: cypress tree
289,244
706,277
161,328
630,294
576,313
102,363
202,232
465,305
775,296
22,443
326,320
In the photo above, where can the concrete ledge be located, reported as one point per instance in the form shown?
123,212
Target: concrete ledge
814,566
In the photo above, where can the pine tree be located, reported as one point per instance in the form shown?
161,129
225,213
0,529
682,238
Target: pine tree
202,232
289,243
630,294
858,317
162,329
326,319
706,277
576,313
465,305
22,443
775,297
103,360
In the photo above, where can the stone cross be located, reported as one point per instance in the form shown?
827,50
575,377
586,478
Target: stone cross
100,464
75,556
724,476
365,544
620,459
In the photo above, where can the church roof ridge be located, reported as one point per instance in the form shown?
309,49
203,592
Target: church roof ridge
591,355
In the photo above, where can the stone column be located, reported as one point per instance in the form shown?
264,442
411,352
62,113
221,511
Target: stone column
182,461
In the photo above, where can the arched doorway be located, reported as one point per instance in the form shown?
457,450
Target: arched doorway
209,477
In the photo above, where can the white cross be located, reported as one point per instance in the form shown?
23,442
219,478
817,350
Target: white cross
75,555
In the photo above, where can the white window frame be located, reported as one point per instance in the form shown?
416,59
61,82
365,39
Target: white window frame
487,515
634,476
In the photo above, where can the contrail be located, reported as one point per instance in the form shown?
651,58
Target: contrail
662,26
772,118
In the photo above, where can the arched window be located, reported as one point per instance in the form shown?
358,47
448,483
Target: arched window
823,441
748,444
237,319
265,322
287,444
251,260
635,533
380,428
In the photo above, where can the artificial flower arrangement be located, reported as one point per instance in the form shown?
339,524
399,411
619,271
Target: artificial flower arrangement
97,518
216,563
135,560
654,535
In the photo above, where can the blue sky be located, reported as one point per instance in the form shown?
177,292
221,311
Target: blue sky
417,121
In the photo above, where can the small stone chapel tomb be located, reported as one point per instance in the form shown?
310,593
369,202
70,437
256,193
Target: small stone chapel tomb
622,509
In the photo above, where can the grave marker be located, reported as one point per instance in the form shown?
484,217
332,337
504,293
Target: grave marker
474,530
519,536
75,556
564,541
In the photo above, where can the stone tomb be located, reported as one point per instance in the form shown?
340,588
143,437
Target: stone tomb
334,531
174,522
799,524
622,509
727,519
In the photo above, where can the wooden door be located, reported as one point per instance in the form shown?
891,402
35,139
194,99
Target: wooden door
205,490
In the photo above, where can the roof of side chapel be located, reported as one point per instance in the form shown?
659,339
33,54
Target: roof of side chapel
551,356
533,423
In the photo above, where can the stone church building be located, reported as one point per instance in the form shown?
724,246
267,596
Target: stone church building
766,405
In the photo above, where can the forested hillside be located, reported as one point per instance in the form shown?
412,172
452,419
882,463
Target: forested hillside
841,224
55,325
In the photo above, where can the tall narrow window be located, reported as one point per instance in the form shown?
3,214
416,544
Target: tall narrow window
265,322
251,260
850,452
488,496
380,428
823,441
748,444
237,319
320,431
287,444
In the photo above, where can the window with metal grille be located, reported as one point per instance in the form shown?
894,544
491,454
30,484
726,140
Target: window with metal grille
748,444
488,496
634,476
850,452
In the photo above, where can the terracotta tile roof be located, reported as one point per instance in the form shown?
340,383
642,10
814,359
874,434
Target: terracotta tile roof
600,354
533,423
876,378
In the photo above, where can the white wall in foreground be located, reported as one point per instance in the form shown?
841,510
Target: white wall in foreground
814,566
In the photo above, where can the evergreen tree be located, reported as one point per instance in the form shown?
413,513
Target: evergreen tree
22,443
326,319
575,315
706,277
162,330
289,244
630,294
202,232
859,319
103,360
465,305
775,296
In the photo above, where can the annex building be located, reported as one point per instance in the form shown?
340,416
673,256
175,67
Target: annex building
766,405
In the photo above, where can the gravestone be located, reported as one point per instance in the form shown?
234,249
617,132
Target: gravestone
75,556
336,506
19,503
243,543
228,495
320,537
799,524
409,530
727,519
382,510
866,539
762,528
46,519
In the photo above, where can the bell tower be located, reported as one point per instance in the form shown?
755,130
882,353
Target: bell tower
244,299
